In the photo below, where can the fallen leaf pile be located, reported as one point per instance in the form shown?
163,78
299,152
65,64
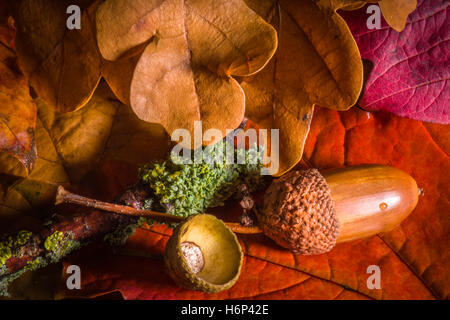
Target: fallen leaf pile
173,61
290,65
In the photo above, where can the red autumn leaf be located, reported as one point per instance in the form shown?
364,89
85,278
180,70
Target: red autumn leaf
414,257
410,76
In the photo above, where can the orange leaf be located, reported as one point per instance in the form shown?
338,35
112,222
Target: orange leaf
395,12
191,51
413,258
317,62
17,110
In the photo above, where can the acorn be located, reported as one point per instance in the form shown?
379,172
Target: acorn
203,254
308,212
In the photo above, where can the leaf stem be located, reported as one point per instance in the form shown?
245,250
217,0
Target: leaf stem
64,196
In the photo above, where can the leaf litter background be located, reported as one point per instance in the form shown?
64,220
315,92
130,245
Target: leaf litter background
414,258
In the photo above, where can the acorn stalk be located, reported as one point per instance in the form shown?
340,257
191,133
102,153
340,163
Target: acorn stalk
308,212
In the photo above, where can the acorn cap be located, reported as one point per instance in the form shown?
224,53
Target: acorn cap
298,213
204,254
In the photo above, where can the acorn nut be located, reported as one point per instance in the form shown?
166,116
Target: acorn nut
203,254
308,212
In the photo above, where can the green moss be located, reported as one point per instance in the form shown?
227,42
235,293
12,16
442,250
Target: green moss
5,253
3,269
191,188
23,237
59,245
52,241
120,235
35,264
31,265
10,243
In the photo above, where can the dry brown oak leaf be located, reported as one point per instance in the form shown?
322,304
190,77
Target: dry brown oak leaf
191,51
317,62
62,65
76,148
17,109
395,12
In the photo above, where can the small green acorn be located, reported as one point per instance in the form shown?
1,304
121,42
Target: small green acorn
203,254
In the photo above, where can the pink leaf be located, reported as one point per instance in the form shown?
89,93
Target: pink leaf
411,69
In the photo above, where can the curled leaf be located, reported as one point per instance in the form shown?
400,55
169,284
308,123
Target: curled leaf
184,73
317,62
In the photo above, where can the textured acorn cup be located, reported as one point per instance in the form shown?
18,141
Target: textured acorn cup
308,212
203,254
298,213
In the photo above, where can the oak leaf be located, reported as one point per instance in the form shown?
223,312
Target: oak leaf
395,12
191,51
317,62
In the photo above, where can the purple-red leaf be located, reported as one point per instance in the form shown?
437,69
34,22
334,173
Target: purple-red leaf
411,75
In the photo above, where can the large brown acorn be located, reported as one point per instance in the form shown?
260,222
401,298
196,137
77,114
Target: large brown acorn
308,212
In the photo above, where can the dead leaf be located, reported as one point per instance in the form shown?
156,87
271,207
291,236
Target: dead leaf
395,12
353,5
317,62
62,65
118,74
184,73
17,113
74,147
7,33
